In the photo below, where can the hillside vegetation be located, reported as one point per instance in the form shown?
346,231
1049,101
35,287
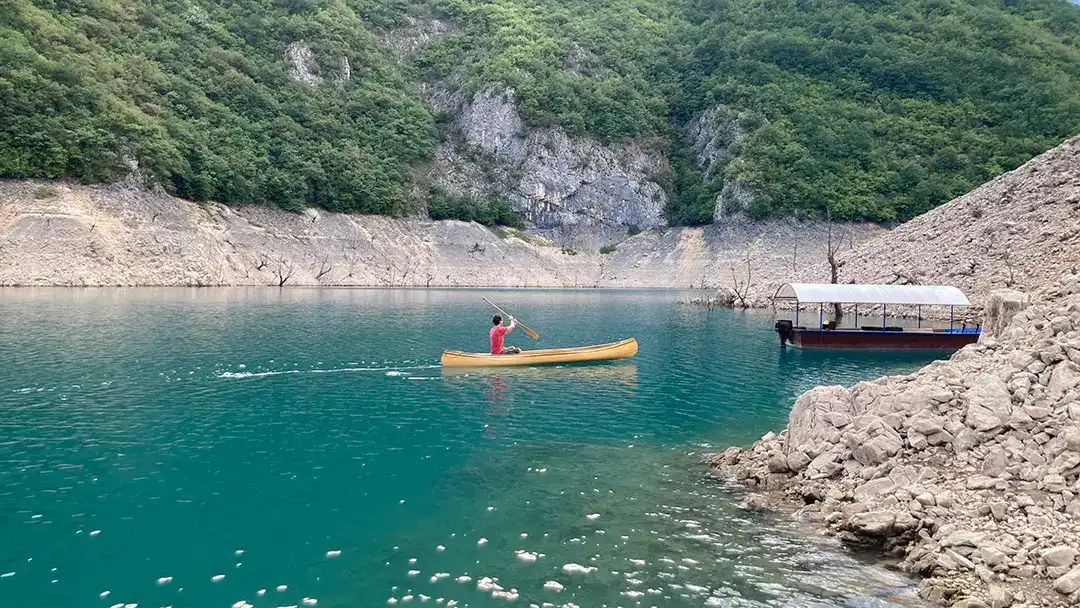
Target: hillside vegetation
877,110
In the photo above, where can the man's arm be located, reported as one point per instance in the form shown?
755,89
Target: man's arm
513,324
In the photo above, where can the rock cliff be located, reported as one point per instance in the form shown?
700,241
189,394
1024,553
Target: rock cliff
574,190
969,468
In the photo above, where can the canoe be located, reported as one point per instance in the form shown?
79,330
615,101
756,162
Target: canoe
600,352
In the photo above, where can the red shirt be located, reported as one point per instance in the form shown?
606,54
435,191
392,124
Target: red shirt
498,332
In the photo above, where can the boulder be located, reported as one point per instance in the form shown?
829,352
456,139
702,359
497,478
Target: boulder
875,488
1069,583
1059,556
873,523
878,450
989,404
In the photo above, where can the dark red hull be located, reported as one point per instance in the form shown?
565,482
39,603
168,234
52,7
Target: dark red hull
886,340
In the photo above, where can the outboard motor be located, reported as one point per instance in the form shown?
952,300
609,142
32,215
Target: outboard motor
786,329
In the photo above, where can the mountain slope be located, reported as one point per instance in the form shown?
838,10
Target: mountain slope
868,110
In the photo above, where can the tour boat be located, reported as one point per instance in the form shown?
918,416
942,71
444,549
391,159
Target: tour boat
829,335
601,352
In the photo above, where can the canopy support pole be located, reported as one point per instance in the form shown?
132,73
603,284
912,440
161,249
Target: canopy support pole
856,315
951,308
920,316
821,315
883,308
797,307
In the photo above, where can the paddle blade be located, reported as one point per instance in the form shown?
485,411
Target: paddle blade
532,334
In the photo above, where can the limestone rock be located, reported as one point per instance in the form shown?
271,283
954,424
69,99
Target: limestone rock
1068,583
1059,556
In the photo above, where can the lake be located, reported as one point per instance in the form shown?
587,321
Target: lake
224,447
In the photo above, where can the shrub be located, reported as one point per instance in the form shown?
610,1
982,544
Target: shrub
606,249
46,191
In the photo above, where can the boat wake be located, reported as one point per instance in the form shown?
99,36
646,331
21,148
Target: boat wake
390,371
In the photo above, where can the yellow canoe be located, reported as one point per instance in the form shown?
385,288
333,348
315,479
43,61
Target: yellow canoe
601,352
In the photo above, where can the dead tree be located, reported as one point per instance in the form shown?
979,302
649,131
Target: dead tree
262,262
284,272
742,288
834,264
795,257
324,267
1007,258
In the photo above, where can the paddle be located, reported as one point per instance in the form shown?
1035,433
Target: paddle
532,334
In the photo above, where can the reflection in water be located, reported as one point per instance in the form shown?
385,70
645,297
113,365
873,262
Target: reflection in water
623,373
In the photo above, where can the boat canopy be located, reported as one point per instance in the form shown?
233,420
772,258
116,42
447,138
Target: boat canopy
931,295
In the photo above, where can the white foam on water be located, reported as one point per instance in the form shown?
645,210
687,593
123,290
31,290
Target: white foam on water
217,578
390,371
333,553
392,601
424,598
633,594
281,588
440,548
95,532
481,542
592,516
11,574
638,562
573,568
239,552
260,592
525,556
309,601
412,560
413,572
553,586
463,579
165,580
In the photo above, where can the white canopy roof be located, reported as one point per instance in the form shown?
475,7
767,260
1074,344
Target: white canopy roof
933,295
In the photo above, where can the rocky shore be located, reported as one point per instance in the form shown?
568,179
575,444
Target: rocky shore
64,234
968,470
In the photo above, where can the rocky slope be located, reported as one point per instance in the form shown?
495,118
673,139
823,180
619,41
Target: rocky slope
1019,231
968,468
65,234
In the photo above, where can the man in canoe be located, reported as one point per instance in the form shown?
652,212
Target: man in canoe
498,334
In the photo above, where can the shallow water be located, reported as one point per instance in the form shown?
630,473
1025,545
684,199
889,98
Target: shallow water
196,447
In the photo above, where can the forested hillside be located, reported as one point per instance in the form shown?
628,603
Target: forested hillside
875,110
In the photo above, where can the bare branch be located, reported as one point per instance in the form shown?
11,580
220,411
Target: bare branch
284,272
324,267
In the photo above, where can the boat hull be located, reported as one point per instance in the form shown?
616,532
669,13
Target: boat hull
885,340
601,352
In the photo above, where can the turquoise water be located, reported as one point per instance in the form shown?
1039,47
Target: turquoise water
170,447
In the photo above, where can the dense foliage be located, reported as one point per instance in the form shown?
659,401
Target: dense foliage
877,110
197,95
873,109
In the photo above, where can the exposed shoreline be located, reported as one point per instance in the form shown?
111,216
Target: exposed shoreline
968,470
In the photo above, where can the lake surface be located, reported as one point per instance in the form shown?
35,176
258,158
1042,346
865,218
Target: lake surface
207,447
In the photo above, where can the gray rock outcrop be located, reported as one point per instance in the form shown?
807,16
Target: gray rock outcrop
717,137
969,469
574,190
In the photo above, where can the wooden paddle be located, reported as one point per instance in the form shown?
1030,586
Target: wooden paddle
532,334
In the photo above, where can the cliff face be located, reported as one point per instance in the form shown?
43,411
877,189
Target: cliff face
574,190
64,234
